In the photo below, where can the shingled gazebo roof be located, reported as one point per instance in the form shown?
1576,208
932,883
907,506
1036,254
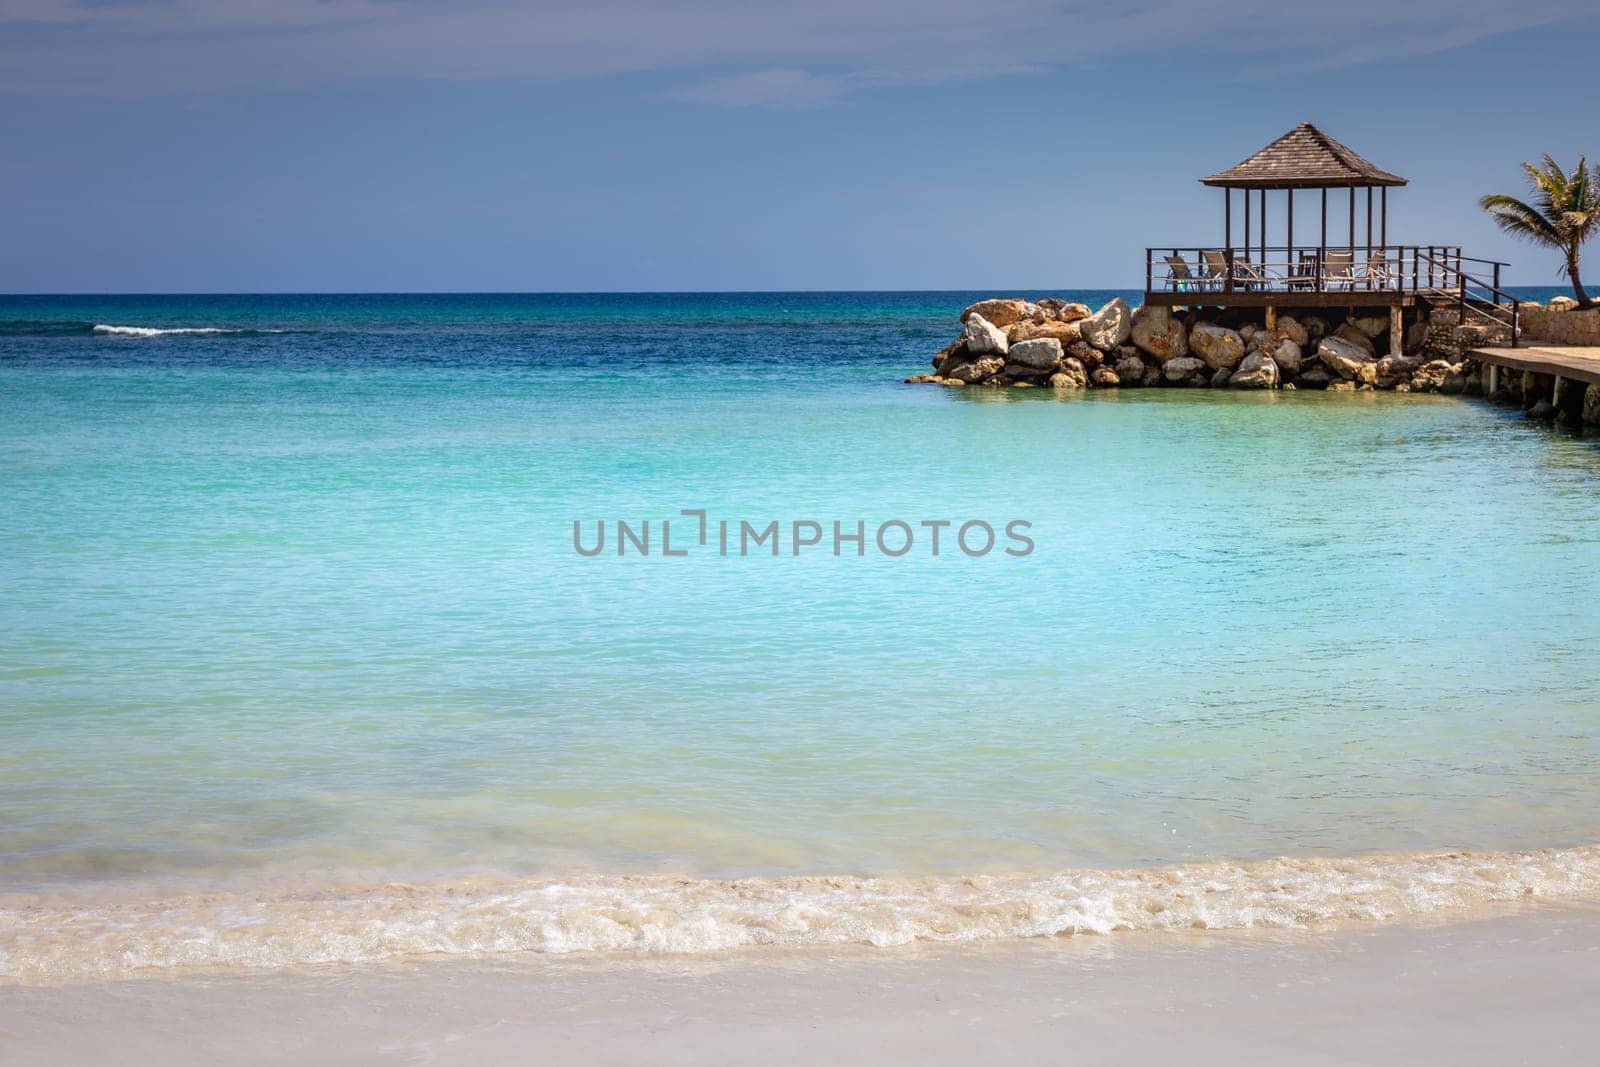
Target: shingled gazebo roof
1303,158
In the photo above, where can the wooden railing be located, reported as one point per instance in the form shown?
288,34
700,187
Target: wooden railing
1317,269
1473,294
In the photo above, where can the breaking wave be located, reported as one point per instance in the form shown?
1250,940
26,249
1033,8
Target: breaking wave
74,938
151,331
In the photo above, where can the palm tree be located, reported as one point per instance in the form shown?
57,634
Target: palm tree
1565,212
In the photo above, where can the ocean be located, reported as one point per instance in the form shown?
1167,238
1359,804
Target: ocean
303,661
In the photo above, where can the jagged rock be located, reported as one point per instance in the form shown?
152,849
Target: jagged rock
1130,368
1315,376
1155,331
1066,332
1542,410
1181,368
983,338
1070,376
952,382
1430,376
1220,347
1108,327
1220,378
1455,380
1591,405
1105,377
1152,374
1290,327
1287,355
919,379
1249,330
976,370
1561,303
1087,354
1398,367
1341,386
1256,371
1316,328
1060,311
1001,313
1034,357
1347,332
1371,325
950,355
1347,359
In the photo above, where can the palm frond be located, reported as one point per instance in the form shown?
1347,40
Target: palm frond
1521,220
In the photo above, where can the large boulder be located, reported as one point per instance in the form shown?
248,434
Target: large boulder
1353,334
1290,327
1155,331
1054,310
1085,353
1348,360
1066,332
1371,325
1108,327
1001,313
1561,303
1256,371
976,370
1130,369
1398,367
983,338
1287,355
1033,357
1181,368
1070,376
1591,405
1105,377
1220,347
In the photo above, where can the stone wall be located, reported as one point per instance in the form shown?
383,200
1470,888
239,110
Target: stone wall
1562,327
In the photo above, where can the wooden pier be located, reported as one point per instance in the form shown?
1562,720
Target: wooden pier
1563,362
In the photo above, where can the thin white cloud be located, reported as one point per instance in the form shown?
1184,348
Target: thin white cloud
779,87
731,52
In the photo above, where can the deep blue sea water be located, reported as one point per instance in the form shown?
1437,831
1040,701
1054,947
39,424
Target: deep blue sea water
295,602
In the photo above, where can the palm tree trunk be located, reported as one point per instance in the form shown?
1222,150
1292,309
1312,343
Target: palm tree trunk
1577,282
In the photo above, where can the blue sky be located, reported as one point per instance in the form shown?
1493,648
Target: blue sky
383,145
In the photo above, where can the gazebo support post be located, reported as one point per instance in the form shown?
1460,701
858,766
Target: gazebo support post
1271,317
1397,331
1352,245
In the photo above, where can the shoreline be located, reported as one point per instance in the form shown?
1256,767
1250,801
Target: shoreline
1512,988
62,939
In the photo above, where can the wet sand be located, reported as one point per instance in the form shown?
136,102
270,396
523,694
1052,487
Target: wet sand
1519,988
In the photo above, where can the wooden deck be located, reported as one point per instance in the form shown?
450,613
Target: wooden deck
1572,362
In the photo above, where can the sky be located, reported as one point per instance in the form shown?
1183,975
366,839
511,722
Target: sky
622,145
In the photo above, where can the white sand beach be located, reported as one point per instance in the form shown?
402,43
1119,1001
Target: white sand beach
1516,988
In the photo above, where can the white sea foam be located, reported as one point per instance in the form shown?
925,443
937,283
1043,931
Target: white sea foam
151,331
66,939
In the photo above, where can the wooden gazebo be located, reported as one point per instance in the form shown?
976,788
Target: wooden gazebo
1305,158
1352,265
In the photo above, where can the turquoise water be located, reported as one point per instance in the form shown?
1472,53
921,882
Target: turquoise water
299,604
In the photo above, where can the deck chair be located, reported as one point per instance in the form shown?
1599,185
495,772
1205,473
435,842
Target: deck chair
1178,275
1250,276
1379,273
1216,269
1339,270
